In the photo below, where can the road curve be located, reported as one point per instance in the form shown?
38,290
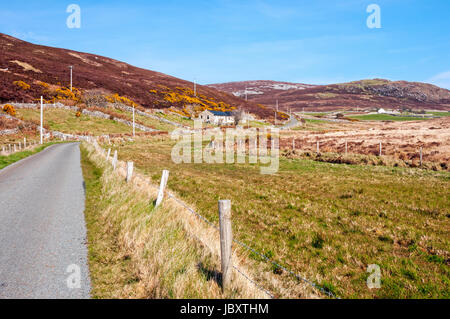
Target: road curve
42,227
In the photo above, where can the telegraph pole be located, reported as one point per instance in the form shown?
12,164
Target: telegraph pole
195,87
71,69
42,119
134,125
276,113
246,99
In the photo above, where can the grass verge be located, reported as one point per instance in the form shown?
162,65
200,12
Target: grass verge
137,251
10,159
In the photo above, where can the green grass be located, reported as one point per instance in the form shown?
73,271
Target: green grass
10,159
318,125
385,117
108,272
325,221
137,250
256,124
176,118
147,121
316,114
65,121
441,114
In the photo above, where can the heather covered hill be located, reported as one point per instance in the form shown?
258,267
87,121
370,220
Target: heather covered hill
364,94
28,71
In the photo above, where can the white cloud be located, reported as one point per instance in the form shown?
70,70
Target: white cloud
441,79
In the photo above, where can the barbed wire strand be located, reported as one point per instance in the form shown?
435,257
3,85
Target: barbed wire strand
238,270
298,277
255,283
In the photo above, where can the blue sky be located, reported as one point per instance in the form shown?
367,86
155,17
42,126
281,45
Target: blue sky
307,41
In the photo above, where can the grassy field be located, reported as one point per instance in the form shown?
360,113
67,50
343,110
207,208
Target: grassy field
318,125
325,221
10,159
65,121
147,121
316,114
176,118
139,251
441,114
385,117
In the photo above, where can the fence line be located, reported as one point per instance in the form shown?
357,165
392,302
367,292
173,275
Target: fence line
170,195
243,245
258,286
298,277
378,149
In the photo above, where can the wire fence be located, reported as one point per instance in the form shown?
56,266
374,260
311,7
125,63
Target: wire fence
247,247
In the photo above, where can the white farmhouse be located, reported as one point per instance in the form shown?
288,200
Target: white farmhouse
217,117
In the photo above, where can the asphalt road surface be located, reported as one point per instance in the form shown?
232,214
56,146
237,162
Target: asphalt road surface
43,252
292,123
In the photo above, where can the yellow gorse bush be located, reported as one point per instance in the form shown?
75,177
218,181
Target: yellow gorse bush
9,109
63,93
43,84
116,98
185,99
22,85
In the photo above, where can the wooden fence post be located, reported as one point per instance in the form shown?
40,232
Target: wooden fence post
114,162
293,144
24,142
380,149
130,166
108,155
226,240
318,147
162,187
346,148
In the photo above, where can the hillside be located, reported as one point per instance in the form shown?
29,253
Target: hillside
364,94
28,71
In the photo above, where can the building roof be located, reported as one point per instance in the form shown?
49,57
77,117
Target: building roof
219,113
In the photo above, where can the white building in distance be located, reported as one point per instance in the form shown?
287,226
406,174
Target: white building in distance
217,117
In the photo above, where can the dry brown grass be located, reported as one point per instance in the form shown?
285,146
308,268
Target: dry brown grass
365,214
137,251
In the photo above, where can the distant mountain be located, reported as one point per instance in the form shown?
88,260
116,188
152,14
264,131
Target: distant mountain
28,71
364,94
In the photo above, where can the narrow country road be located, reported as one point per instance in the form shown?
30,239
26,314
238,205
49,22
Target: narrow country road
292,123
42,227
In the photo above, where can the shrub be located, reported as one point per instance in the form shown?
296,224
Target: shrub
9,109
116,98
22,85
43,84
